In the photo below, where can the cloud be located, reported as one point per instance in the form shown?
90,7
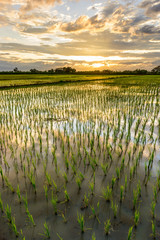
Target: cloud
106,18
46,39
149,29
152,7
4,20
5,4
96,6
147,3
37,26
105,29
84,23
81,23
115,17
35,16
110,8
25,28
32,4
155,9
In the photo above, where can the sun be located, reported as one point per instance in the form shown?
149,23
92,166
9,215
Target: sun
98,65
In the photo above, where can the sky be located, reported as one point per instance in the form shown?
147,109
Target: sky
83,34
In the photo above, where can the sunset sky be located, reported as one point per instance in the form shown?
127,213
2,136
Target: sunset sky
84,34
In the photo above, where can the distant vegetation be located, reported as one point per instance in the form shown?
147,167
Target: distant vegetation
25,79
69,70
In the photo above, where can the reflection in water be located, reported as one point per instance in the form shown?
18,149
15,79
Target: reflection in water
79,136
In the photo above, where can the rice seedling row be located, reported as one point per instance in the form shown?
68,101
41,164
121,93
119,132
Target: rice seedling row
80,161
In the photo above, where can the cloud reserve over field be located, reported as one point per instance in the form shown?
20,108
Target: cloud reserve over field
84,34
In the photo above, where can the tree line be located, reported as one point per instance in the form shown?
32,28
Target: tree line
69,70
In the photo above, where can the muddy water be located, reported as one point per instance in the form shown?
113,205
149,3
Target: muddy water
73,116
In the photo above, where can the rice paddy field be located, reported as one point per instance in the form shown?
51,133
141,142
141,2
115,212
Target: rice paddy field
81,160
23,80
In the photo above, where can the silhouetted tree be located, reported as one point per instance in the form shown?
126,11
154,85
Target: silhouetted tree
107,71
51,71
15,70
65,70
34,70
140,71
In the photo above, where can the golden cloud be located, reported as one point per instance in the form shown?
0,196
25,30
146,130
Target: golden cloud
84,23
32,4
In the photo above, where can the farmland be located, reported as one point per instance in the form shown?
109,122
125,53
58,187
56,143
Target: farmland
24,80
80,160
18,80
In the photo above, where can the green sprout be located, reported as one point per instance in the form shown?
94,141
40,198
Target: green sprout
80,219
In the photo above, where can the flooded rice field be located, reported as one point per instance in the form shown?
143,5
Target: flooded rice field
80,161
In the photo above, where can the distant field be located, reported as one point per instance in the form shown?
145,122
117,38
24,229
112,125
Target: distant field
41,79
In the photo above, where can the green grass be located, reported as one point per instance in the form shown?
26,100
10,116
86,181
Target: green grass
40,79
17,80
